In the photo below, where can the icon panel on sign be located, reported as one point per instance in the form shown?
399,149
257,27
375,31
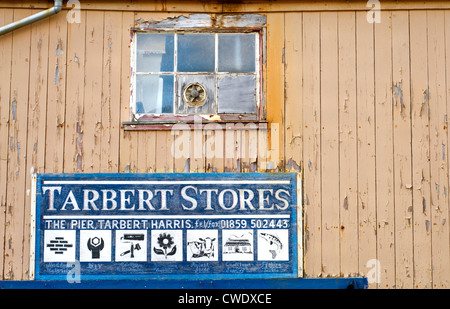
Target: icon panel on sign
167,245
202,245
131,246
273,245
95,246
59,246
237,245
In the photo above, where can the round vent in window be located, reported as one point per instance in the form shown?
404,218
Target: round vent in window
194,95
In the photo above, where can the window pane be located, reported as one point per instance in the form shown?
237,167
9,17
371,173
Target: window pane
196,52
237,53
236,94
207,82
154,94
154,52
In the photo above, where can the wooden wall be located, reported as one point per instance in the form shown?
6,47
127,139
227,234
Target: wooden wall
359,107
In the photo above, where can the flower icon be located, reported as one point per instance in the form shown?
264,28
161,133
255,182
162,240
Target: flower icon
165,241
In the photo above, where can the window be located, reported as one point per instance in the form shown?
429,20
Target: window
180,74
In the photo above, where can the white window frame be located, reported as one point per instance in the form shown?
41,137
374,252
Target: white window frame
200,23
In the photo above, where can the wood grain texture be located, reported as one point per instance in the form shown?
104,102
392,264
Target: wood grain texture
360,108
420,132
17,152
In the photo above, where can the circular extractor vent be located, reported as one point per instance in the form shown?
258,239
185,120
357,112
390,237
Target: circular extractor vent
194,95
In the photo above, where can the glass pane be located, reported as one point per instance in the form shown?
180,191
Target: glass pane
237,53
154,94
207,82
237,94
196,52
154,52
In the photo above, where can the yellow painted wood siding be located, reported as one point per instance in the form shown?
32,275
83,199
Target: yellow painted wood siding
359,107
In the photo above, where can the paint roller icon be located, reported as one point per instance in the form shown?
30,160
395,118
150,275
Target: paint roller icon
132,238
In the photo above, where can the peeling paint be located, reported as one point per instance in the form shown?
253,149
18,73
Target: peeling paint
18,152
56,75
79,162
205,21
13,109
79,147
187,166
345,203
426,100
398,95
292,165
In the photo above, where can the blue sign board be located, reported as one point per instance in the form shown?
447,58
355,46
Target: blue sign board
172,226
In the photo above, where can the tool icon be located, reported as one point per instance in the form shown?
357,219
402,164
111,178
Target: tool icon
132,239
95,245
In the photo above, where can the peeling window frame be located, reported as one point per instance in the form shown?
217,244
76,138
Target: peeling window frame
200,23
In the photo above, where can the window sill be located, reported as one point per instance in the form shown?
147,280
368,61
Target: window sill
195,125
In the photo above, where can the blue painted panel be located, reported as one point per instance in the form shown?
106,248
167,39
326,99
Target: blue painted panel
233,284
172,226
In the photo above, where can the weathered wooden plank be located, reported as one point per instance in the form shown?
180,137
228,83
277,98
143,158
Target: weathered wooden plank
157,6
74,128
293,92
230,153
146,157
420,131
262,150
92,116
275,88
348,157
17,172
384,151
128,156
365,98
110,101
311,144
306,6
37,110
447,98
6,17
241,6
246,146
56,94
329,125
402,150
438,150
181,148
252,140
214,147
164,156
197,149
